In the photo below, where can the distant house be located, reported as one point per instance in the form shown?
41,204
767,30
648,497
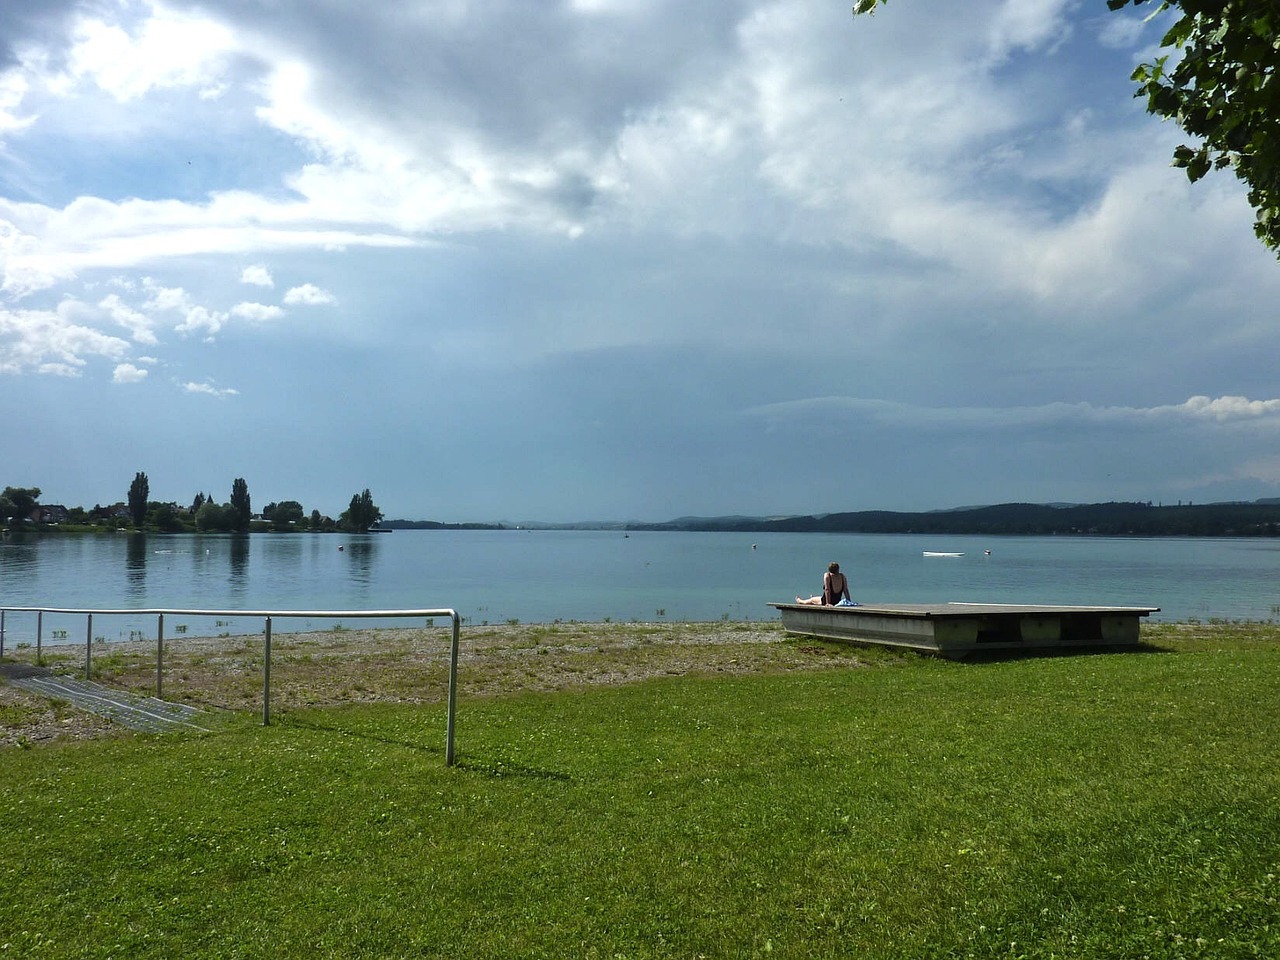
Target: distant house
114,511
50,513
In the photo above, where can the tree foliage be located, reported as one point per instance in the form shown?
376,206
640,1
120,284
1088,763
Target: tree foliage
285,514
139,491
361,514
211,517
240,503
18,502
1218,80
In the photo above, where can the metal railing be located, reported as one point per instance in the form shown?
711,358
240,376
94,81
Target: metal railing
268,616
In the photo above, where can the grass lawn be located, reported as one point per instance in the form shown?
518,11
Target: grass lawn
1118,805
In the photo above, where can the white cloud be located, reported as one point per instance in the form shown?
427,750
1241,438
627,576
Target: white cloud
1121,31
1223,409
165,298
309,294
138,324
194,317
166,49
821,412
41,246
13,87
53,341
1028,24
258,275
199,319
128,373
209,389
259,312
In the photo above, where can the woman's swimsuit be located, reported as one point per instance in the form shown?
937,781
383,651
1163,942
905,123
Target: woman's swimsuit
832,598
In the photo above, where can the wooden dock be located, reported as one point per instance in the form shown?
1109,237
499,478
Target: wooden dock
958,629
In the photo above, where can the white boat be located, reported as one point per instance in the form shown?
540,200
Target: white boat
935,553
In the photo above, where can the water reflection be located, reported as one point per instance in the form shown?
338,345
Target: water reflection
362,556
238,554
135,566
17,554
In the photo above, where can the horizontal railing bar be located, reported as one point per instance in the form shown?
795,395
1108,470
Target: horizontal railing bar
193,612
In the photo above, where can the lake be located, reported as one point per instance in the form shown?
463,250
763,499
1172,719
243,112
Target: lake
493,576
535,576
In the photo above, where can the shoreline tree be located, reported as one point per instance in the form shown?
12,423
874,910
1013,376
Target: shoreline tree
361,514
16,503
139,491
285,515
241,505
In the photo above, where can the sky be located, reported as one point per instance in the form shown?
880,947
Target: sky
568,260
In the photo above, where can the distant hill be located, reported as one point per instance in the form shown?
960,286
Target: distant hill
1256,519
1259,518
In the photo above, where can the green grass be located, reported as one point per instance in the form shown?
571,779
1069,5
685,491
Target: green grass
1091,806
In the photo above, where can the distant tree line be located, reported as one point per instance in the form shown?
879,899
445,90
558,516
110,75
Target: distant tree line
437,525
1256,519
20,506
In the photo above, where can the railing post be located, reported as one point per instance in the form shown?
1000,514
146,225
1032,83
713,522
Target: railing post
266,675
39,636
1,633
160,657
453,693
88,651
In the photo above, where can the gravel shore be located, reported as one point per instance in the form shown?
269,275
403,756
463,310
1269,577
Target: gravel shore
406,665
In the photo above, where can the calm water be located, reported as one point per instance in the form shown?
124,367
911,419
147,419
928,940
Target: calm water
542,576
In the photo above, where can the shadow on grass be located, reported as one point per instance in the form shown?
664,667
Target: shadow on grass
356,734
1051,653
498,769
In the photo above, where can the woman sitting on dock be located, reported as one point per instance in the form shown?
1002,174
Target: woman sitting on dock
835,585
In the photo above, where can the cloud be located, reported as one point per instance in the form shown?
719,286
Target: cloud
53,341
41,246
166,49
195,317
138,324
198,319
835,413
1224,409
208,389
257,275
128,373
308,294
13,87
259,312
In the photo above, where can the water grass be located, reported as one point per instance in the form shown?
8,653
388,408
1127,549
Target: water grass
1091,806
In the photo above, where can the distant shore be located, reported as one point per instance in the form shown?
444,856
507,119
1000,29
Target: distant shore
1258,518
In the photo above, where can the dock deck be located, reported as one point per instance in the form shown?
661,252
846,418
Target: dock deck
958,629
